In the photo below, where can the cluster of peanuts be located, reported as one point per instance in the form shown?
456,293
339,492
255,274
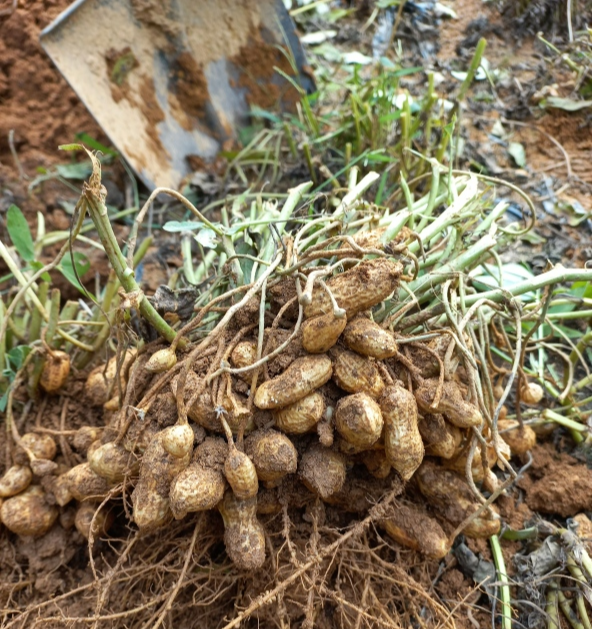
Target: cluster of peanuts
346,403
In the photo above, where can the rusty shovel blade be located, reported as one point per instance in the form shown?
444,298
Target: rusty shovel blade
171,82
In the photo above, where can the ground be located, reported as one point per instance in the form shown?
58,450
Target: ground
39,111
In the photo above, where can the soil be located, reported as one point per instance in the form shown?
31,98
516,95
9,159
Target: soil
43,111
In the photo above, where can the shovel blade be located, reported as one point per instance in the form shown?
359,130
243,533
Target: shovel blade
172,82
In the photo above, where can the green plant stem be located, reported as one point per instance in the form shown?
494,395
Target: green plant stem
475,63
574,427
500,566
2,342
36,318
54,316
99,216
568,612
551,607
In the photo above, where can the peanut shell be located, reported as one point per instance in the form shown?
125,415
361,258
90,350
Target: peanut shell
55,371
103,520
244,536
440,438
403,445
241,474
178,440
322,470
358,420
273,454
452,403
196,488
15,480
358,289
113,462
162,360
411,526
320,333
302,377
100,384
519,440
369,339
376,463
28,513
302,416
356,374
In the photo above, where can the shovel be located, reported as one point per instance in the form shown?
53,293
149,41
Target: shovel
171,82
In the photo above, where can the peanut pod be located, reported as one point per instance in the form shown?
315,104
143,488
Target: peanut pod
369,339
452,403
320,333
356,374
302,416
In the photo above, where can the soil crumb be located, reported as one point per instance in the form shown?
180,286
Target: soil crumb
557,483
190,85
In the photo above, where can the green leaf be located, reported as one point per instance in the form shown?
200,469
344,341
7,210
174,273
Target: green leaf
19,233
567,104
74,171
4,401
182,226
36,266
95,144
207,238
16,356
82,265
516,150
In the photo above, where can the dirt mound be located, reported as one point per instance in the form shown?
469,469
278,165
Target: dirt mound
35,101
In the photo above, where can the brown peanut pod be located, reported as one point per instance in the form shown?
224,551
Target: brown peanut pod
531,393
241,474
202,411
80,482
439,437
371,239
150,498
85,514
302,416
358,420
196,488
322,470
15,480
302,377
273,454
112,461
28,513
320,333
369,339
178,440
451,495
42,447
376,463
356,374
412,527
162,360
358,289
55,371
85,436
520,440
244,355
100,383
458,463
403,445
452,403
244,537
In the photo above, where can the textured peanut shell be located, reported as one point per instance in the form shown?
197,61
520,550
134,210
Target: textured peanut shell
273,454
100,382
16,479
85,436
358,420
81,482
452,403
241,474
358,289
531,393
113,462
322,470
519,440
411,526
439,437
162,360
244,355
458,463
320,333
356,374
150,498
28,513
302,377
55,371
376,463
302,416
42,446
178,440
369,339
103,520
244,537
451,495
403,445
196,488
